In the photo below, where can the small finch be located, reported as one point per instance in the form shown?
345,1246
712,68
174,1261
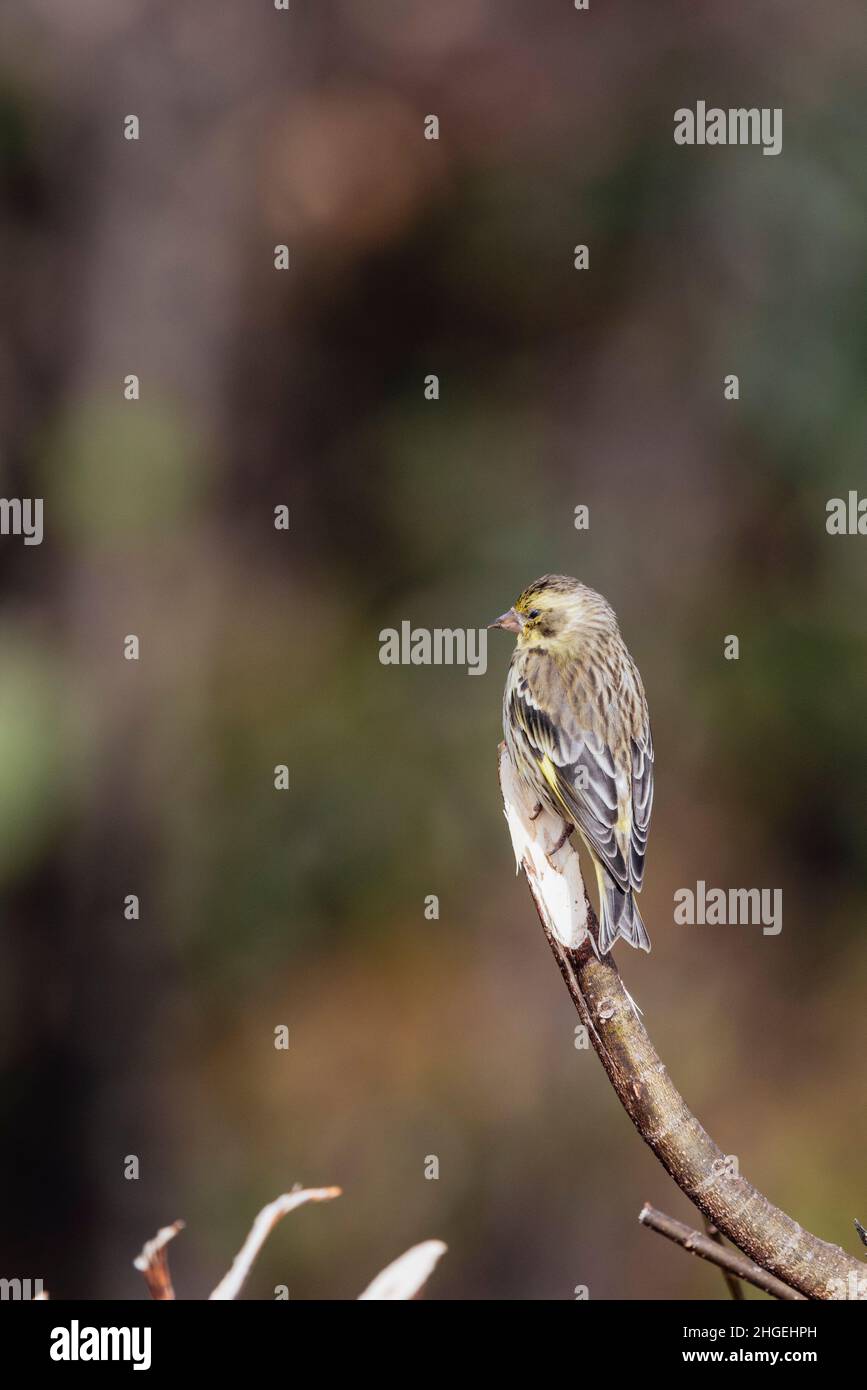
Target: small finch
577,730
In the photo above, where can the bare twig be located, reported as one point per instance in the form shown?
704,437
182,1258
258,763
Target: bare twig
153,1262
732,1284
231,1284
406,1276
733,1265
699,1167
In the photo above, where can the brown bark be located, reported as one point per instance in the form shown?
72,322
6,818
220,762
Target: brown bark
660,1114
733,1264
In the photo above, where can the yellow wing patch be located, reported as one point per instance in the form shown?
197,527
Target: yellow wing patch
549,772
552,776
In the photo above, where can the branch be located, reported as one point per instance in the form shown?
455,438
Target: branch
403,1279
231,1284
153,1262
730,1261
645,1090
406,1276
732,1284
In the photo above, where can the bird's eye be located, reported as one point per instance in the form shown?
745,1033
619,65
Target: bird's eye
533,613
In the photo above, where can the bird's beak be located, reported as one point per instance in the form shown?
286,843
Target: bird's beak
511,621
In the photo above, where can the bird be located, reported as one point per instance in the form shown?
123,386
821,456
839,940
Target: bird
577,729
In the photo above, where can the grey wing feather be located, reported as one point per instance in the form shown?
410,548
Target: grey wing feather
642,804
585,788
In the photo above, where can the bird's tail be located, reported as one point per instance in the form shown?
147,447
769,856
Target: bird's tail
618,915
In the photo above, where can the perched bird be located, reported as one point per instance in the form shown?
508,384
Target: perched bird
577,730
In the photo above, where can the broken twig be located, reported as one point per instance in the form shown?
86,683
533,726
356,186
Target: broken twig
733,1264
153,1262
406,1276
231,1284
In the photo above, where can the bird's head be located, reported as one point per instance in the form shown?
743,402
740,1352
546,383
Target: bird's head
556,609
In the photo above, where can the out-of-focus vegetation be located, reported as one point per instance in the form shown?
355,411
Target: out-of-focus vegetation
411,1037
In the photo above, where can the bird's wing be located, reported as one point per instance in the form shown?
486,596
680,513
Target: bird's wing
579,769
642,802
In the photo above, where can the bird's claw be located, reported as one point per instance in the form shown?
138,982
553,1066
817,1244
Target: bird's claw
567,831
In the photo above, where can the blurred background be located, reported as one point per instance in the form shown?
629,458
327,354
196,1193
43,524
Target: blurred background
412,1037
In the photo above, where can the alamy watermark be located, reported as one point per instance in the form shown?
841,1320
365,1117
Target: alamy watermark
22,516
737,907
846,516
20,1290
738,125
439,646
77,1343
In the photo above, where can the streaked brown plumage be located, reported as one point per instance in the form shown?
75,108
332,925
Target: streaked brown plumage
577,729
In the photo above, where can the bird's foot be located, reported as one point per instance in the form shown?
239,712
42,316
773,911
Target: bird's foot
567,831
